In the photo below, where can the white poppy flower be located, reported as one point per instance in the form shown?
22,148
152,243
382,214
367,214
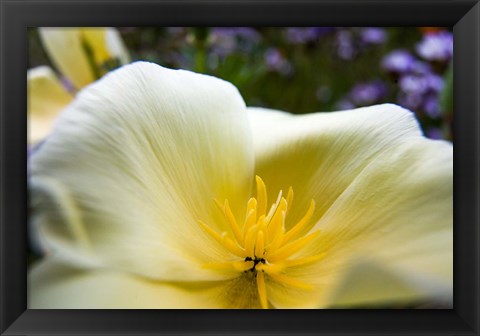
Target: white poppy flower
159,189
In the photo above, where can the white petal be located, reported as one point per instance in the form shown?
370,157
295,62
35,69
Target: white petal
393,225
135,162
52,285
399,212
46,98
368,284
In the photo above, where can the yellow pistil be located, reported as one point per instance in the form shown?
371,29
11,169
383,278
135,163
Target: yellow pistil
262,243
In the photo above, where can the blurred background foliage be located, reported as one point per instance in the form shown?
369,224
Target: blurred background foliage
310,69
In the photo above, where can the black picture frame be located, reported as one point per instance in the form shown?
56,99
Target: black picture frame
17,15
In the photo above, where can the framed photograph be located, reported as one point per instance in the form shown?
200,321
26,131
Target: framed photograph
179,177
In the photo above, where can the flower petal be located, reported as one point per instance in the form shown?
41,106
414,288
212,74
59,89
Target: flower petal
368,284
320,154
53,285
65,49
116,46
397,215
46,98
82,53
135,162
399,212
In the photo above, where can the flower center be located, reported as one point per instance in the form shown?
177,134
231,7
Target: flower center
261,243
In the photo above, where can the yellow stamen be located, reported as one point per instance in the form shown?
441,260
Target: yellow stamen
233,223
261,244
251,205
278,236
251,216
301,223
291,248
250,241
220,206
261,196
211,232
276,224
261,221
224,241
234,248
262,226
262,290
271,268
289,198
274,207
249,222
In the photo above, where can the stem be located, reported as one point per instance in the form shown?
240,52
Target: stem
91,59
201,35
200,58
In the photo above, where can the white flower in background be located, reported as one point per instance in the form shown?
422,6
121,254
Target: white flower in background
82,55
160,189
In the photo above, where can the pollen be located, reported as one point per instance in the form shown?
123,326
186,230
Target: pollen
261,244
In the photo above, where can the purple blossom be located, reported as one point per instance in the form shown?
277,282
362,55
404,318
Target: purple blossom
345,104
273,58
412,84
345,45
398,61
411,101
418,84
300,35
324,30
275,61
225,41
373,35
436,47
246,33
421,68
421,92
435,82
434,133
297,35
432,107
368,92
